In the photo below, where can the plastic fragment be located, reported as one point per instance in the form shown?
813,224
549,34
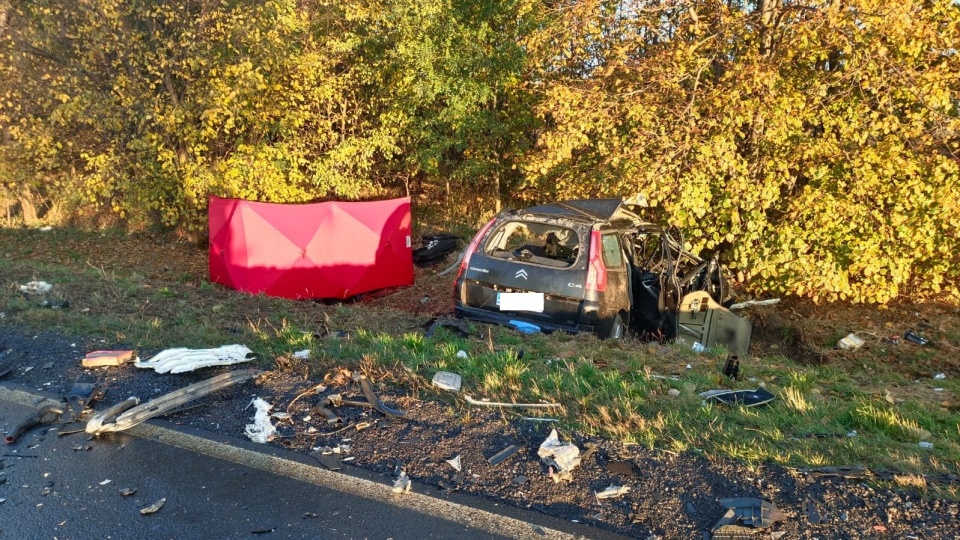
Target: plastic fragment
181,360
402,483
613,492
445,380
455,462
153,507
563,456
261,430
851,342
36,287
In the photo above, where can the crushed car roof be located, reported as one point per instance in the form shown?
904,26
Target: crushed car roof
583,209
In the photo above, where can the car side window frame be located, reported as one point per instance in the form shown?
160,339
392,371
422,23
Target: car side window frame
607,251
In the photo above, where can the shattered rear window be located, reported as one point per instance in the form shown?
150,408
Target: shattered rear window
538,243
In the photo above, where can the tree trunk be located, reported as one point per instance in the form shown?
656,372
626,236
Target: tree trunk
4,9
496,188
27,208
769,9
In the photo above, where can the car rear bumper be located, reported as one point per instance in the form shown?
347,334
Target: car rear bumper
492,317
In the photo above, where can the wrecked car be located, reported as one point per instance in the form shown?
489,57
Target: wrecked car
594,265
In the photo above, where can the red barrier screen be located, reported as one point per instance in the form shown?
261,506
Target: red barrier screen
320,250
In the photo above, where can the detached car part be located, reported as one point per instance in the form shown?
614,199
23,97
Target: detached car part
702,320
128,413
72,406
181,360
44,415
375,401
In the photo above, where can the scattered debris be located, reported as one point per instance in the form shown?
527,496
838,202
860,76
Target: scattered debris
810,509
76,400
181,360
402,483
263,530
126,492
55,304
563,456
857,473
919,340
746,398
454,462
732,368
743,515
461,354
673,392
128,413
940,376
36,287
375,401
502,455
472,401
624,468
317,388
851,342
105,482
329,461
153,507
525,327
925,445
748,303
302,355
44,415
612,492
435,249
262,429
458,326
322,408
591,447
445,380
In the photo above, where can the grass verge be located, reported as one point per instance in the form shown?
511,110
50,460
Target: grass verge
868,407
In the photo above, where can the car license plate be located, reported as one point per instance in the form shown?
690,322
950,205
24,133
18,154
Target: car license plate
520,301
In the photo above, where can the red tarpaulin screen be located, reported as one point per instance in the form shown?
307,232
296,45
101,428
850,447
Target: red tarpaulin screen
321,250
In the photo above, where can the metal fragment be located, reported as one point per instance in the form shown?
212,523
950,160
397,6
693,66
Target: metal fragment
502,455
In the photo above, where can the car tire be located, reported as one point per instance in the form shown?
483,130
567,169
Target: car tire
615,329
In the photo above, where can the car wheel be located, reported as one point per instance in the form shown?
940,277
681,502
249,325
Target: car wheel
615,329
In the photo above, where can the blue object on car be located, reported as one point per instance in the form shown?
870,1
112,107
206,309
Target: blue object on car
525,327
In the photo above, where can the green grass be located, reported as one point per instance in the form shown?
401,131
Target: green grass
619,390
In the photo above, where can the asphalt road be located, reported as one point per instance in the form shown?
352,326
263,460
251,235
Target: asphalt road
69,487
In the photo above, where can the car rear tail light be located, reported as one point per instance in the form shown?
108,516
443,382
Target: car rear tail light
596,270
471,248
